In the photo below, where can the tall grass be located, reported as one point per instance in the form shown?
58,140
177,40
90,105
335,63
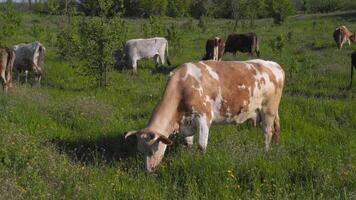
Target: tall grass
64,140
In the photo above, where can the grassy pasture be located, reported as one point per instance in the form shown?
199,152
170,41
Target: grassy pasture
64,140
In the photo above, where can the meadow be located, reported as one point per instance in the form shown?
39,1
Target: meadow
64,140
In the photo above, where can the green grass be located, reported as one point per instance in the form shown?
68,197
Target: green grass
64,140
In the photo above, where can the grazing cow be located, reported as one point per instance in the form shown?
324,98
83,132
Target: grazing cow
342,35
199,94
353,65
214,49
246,42
137,49
30,57
7,57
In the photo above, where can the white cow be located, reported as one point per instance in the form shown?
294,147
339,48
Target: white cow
137,49
201,93
30,57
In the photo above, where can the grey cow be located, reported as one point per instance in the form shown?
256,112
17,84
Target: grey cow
30,57
136,49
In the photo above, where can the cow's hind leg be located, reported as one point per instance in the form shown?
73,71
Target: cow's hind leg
276,130
267,127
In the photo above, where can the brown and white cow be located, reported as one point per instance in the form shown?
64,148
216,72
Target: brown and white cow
7,57
201,93
214,48
343,35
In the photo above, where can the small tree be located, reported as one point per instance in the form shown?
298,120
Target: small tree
280,10
91,41
10,20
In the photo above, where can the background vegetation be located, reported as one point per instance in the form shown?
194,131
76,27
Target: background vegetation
64,140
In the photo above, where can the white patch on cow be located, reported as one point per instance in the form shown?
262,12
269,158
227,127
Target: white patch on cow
243,86
193,71
171,74
199,89
211,72
215,107
273,66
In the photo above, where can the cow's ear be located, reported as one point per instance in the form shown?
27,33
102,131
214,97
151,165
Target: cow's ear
130,133
165,140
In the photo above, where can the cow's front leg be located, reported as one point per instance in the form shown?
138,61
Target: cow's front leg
134,65
203,132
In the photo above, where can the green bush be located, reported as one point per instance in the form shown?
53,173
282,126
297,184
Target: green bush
10,20
149,8
280,10
177,8
323,6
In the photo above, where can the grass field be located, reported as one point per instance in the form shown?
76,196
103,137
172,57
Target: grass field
64,140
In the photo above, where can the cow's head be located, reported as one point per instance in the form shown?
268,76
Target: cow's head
119,56
151,145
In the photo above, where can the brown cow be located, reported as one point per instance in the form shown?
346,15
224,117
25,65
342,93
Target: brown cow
353,65
214,48
342,35
199,94
245,42
7,57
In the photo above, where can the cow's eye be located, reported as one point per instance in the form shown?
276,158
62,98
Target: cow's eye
150,136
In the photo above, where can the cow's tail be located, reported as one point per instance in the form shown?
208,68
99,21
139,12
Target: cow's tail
168,62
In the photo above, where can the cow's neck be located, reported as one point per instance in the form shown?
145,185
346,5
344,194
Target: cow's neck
165,118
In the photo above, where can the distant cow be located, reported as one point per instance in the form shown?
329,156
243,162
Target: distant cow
245,42
136,49
342,35
30,57
353,65
214,48
7,57
201,93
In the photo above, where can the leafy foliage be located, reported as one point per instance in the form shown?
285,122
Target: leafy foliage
280,10
10,20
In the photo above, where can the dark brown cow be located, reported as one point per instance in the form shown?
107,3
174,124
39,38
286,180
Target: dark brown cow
245,42
214,48
342,35
201,93
353,65
7,58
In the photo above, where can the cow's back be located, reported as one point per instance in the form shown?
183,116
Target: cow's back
144,47
240,42
231,90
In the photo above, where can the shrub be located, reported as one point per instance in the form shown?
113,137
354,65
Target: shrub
10,20
277,44
203,24
149,8
323,6
280,10
174,37
177,8
152,27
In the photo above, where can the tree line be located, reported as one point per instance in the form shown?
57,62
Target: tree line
245,9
